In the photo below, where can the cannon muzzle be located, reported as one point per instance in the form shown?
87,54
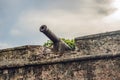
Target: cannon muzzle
49,34
58,44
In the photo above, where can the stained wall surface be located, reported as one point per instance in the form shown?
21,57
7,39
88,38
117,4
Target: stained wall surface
107,69
97,57
99,43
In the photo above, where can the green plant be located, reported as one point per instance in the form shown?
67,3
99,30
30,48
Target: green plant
49,43
69,42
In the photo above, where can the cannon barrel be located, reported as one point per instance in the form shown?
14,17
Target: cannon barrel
49,34
58,44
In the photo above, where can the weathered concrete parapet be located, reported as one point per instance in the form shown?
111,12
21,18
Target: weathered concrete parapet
40,63
99,43
19,56
38,55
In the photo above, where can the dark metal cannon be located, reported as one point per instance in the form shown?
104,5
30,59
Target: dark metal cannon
58,44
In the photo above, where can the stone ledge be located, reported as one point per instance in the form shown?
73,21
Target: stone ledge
37,55
19,48
99,43
59,59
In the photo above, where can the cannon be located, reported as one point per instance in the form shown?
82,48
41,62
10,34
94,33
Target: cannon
58,44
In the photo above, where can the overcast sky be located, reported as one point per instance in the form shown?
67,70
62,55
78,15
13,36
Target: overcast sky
20,19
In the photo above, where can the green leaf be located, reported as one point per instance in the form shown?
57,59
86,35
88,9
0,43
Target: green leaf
69,42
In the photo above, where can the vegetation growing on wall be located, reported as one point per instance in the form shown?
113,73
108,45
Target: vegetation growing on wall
70,42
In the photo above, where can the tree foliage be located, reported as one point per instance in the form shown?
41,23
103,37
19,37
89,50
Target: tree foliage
70,43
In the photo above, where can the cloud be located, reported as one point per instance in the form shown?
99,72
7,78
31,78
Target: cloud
97,8
21,19
67,18
62,22
115,17
4,45
63,16
1,23
1,28
15,32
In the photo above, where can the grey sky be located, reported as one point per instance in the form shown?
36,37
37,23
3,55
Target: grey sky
20,19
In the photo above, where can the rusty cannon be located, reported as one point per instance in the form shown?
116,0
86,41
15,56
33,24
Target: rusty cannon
58,44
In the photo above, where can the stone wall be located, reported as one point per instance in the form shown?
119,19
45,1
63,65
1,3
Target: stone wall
107,69
99,43
97,58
